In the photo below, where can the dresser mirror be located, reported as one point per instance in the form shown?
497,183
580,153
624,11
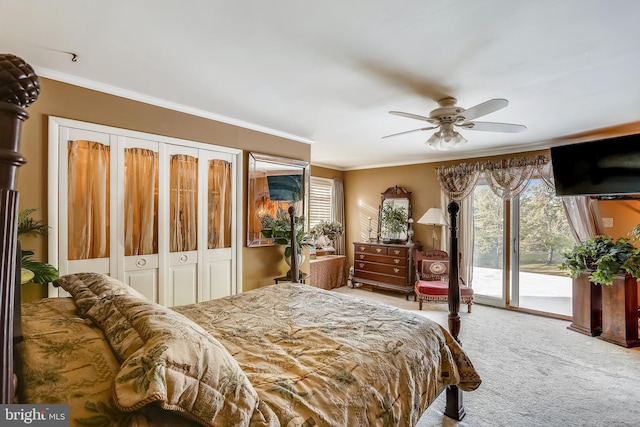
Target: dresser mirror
393,214
274,184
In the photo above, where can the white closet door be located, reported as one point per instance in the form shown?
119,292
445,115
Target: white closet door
194,247
217,173
138,168
85,202
184,225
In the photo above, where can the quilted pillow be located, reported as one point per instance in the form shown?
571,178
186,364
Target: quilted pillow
166,358
86,288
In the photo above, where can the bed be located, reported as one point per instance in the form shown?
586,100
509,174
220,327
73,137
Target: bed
282,355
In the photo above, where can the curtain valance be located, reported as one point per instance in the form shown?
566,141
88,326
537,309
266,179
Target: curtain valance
507,178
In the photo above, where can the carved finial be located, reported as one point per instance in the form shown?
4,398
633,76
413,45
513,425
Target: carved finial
19,84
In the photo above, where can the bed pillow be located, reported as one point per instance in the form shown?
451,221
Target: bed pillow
66,359
87,287
171,360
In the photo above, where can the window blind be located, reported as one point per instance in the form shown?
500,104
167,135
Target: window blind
320,192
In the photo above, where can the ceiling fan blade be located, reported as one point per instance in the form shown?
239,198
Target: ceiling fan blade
483,109
493,127
415,116
410,131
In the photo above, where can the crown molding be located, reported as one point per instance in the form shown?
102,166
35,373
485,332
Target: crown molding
135,96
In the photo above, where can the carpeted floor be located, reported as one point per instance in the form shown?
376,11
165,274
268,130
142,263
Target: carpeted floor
535,371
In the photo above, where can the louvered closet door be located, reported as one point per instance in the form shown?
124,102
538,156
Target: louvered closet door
86,238
138,207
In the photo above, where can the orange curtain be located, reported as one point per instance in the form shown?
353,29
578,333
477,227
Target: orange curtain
88,200
219,223
140,202
183,203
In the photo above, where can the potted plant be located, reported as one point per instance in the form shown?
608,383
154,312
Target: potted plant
278,228
325,233
33,271
614,263
393,222
603,258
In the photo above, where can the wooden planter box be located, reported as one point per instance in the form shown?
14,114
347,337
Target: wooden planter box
620,312
587,306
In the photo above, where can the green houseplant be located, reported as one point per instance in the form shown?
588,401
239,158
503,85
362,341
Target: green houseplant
634,234
597,309
42,272
278,228
327,229
604,258
393,221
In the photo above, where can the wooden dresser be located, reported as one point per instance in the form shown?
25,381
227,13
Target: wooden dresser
385,265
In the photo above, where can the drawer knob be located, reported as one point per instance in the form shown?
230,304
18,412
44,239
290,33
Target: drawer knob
362,248
361,265
378,250
396,260
396,251
396,270
361,256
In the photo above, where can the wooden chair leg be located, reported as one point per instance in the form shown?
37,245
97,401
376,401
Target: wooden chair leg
469,307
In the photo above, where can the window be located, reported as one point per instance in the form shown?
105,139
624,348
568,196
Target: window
320,195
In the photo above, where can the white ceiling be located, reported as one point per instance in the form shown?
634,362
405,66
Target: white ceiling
329,72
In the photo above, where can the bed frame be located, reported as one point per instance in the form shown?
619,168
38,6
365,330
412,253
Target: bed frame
19,87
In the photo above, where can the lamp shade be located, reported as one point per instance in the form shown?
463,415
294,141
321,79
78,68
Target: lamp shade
433,216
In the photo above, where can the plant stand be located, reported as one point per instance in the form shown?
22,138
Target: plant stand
587,306
620,312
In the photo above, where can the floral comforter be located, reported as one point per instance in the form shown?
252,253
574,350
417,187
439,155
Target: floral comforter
327,359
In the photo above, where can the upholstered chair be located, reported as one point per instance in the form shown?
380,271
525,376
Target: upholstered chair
432,279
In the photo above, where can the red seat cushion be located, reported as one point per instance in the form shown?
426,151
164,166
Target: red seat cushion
440,288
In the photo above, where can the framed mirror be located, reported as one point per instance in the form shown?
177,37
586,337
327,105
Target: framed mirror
394,214
275,183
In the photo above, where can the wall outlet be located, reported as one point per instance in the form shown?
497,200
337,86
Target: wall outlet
607,222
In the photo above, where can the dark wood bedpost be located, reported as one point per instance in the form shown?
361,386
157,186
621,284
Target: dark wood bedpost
454,408
19,87
295,268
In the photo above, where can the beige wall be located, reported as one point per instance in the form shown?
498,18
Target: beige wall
73,102
624,213
322,172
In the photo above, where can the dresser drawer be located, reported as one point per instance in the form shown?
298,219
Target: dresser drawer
381,268
402,252
378,250
383,259
359,247
378,277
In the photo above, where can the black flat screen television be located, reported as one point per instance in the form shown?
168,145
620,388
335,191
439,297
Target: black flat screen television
607,167
285,187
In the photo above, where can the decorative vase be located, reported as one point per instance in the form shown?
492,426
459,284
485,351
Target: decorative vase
300,258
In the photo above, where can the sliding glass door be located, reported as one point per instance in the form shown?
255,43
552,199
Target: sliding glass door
488,250
540,235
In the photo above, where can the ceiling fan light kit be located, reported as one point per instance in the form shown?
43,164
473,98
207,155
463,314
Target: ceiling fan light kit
445,140
448,115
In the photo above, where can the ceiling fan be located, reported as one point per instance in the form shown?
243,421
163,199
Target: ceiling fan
448,115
